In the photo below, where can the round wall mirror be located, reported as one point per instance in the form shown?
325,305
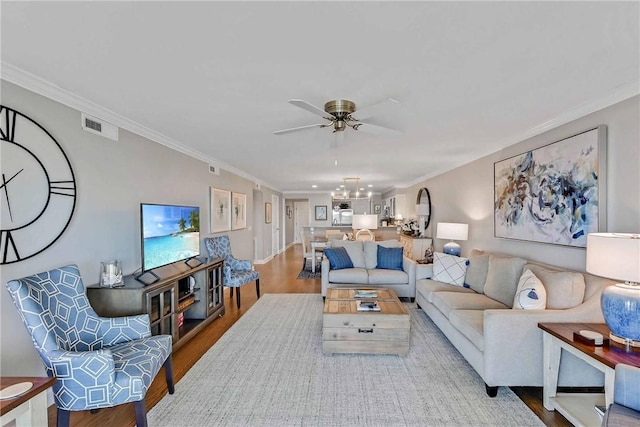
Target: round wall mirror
423,202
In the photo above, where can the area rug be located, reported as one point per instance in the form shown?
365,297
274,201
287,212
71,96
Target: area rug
306,272
268,369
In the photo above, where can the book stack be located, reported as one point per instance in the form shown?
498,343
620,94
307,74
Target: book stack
367,306
364,293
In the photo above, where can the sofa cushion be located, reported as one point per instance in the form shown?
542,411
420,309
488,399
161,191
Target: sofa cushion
389,258
387,277
502,278
469,323
338,258
477,270
371,251
354,249
565,289
449,268
530,293
356,276
447,301
427,287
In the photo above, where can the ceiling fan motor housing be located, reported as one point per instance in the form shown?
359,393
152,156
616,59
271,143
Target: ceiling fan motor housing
340,108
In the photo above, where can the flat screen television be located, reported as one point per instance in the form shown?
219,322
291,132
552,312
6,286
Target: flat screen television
169,234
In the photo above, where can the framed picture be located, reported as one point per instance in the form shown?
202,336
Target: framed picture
267,212
553,194
238,211
321,213
377,208
220,211
288,211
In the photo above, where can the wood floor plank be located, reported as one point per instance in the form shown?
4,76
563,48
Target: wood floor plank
277,276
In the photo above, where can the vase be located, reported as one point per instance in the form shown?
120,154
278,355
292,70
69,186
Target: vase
621,309
111,274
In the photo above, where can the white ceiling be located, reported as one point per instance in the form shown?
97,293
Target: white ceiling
215,77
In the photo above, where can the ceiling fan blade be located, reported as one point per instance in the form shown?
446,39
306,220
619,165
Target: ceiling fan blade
376,109
310,108
377,129
284,131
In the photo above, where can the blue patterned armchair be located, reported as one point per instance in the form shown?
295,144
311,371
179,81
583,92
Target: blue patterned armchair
98,362
236,272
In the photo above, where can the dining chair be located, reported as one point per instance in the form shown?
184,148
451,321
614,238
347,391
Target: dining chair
236,272
307,252
98,362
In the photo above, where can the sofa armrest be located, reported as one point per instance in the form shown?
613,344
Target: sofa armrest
409,267
326,266
512,339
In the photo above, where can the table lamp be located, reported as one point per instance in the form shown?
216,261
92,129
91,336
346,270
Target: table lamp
617,256
364,223
452,231
422,210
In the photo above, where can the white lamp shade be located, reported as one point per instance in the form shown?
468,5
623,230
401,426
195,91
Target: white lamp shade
369,222
422,210
614,255
452,231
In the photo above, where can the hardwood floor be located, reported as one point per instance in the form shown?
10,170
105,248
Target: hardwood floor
277,276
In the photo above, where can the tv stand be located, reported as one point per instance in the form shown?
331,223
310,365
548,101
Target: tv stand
180,303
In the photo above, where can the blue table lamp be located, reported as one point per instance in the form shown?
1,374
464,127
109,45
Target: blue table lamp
452,231
617,256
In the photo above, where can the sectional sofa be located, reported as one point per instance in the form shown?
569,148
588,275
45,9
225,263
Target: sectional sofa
503,344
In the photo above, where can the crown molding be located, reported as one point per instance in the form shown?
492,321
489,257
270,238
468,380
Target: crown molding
619,94
49,90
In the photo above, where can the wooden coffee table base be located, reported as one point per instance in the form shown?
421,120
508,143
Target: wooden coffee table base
347,330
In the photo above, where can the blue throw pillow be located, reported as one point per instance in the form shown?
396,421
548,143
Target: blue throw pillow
338,258
389,258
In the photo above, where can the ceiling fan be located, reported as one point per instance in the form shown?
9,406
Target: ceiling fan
342,113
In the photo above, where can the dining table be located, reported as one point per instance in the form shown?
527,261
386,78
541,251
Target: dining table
316,243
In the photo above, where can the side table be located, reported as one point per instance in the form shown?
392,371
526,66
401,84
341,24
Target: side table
29,408
578,408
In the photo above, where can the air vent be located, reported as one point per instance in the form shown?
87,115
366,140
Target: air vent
214,170
99,127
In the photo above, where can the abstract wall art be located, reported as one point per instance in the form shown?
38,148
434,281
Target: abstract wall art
553,194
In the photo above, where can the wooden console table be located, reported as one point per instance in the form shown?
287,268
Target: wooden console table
29,408
578,408
181,304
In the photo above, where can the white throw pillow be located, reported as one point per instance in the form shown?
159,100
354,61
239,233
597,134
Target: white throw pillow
531,294
449,268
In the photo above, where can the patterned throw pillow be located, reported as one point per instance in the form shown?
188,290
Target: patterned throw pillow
531,294
338,258
389,258
449,268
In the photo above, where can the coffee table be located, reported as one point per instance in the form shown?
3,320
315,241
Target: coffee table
347,330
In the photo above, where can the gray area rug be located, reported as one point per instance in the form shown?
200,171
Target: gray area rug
268,369
306,272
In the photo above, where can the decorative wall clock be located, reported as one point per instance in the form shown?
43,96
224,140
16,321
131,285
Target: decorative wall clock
37,188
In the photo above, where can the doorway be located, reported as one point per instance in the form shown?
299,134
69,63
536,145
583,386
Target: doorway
301,219
275,225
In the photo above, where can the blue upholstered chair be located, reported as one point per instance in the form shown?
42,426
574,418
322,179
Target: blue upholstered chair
625,409
236,272
98,362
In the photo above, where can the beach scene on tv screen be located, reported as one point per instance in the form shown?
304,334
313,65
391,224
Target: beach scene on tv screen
170,234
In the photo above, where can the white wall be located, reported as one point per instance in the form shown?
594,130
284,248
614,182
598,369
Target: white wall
465,194
113,178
